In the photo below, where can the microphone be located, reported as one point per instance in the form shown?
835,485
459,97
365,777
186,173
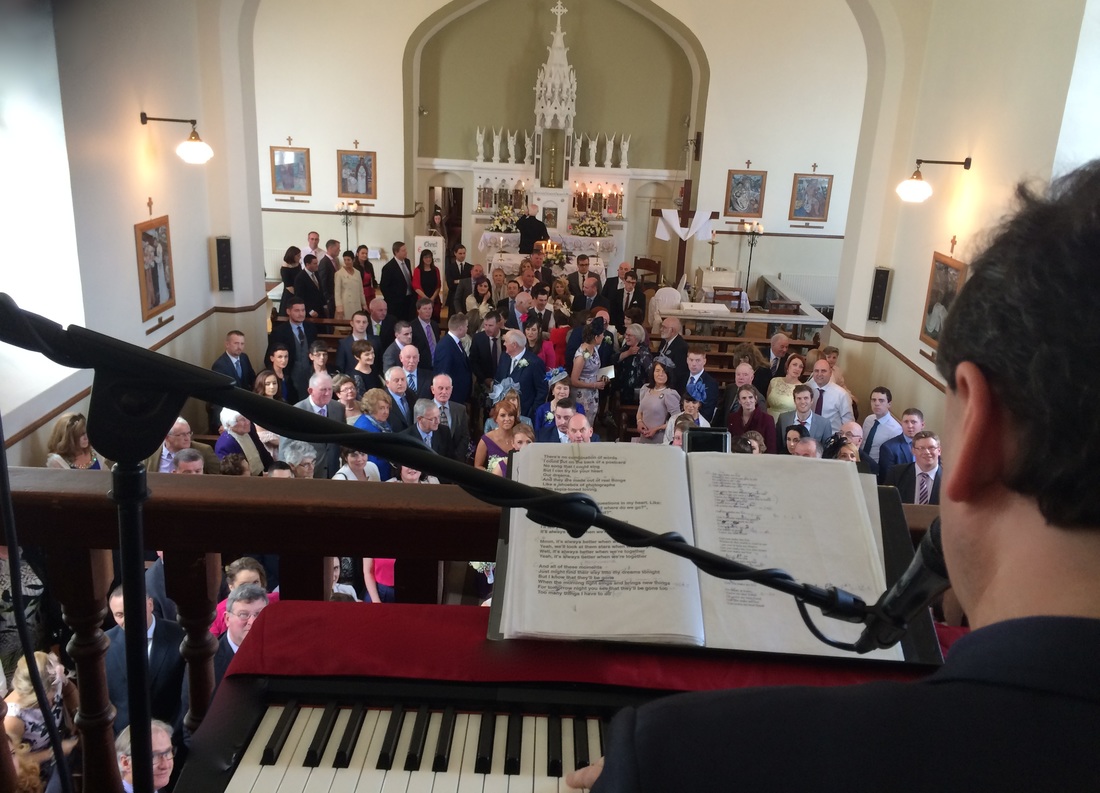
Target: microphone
925,578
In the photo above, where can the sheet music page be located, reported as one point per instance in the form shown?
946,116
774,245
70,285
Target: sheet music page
593,587
805,516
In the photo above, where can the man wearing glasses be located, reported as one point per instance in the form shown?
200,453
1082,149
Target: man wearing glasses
163,756
178,439
919,481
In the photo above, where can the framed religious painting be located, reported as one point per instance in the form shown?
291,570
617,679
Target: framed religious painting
810,194
944,283
745,194
356,174
290,171
154,261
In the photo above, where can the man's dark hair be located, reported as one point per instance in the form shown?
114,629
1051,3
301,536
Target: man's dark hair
881,389
1037,282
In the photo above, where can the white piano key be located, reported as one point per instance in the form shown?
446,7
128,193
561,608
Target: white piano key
524,781
496,781
397,778
321,777
422,781
542,783
244,778
463,754
568,761
361,765
296,773
272,775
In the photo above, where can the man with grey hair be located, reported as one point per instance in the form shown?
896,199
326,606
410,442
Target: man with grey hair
301,457
525,369
189,461
320,403
178,439
163,756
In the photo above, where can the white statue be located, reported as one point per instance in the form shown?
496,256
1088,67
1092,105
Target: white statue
608,150
496,145
592,150
480,145
528,149
577,148
624,151
512,148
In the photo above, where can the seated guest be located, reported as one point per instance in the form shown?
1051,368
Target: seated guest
375,405
356,467
557,381
239,437
166,665
522,436
498,441
781,389
692,409
239,572
343,388
919,481
751,417
633,365
235,465
657,401
301,457
68,445
163,756
178,439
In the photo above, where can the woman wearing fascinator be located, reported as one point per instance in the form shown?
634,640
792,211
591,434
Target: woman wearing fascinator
657,401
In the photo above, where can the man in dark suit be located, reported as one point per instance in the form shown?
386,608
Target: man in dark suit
345,361
899,449
701,384
531,230
590,298
425,332
166,665
297,335
1016,701
450,359
307,285
321,403
576,280
426,428
803,414
327,266
675,349
918,482
622,300
234,361
401,411
452,414
525,369
396,283
417,377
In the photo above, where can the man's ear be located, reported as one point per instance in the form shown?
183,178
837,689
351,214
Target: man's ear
978,436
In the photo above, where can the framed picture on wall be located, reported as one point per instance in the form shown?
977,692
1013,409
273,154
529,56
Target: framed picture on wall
944,283
745,194
810,196
290,171
356,174
154,261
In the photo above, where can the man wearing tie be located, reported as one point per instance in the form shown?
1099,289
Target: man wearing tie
234,361
831,402
396,283
918,482
320,403
899,449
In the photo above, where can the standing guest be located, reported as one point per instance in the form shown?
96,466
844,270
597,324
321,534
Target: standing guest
396,283
366,270
348,289
537,345
363,375
164,754
375,406
450,358
68,446
751,417
288,272
427,283
657,401
634,364
347,394
498,441
277,359
356,467
781,388
239,437
234,361
584,367
880,426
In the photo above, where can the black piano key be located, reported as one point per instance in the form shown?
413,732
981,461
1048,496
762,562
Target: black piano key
389,741
580,742
553,745
513,747
418,739
320,739
278,738
442,755
351,737
483,762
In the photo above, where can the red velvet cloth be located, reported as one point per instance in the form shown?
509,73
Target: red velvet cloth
448,643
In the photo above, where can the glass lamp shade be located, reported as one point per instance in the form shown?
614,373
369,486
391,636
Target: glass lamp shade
194,150
914,189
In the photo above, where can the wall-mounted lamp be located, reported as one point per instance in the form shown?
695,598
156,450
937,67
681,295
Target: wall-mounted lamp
915,190
193,150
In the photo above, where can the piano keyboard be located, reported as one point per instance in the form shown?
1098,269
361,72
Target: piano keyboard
325,735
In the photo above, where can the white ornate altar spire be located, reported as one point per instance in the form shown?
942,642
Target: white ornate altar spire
556,86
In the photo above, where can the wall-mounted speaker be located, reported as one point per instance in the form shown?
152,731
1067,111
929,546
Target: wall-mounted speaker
224,264
880,287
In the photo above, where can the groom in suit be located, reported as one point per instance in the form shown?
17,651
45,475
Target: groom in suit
525,369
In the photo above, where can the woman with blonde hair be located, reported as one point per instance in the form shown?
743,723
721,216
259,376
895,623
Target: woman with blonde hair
68,445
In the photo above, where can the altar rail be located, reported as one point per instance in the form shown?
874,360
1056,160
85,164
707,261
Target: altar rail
195,520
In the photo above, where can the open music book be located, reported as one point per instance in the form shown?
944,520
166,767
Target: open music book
808,517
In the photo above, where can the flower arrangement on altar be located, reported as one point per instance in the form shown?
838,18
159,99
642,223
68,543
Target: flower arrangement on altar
504,221
591,225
